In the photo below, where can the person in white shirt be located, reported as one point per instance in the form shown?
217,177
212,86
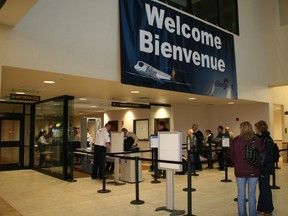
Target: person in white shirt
102,142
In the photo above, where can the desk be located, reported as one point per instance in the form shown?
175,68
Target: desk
86,159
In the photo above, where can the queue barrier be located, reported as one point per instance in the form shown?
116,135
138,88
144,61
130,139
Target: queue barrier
190,171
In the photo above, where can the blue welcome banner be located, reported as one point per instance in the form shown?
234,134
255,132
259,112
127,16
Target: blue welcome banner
168,49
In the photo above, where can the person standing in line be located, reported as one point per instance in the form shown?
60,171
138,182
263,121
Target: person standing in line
102,142
220,153
207,153
228,133
243,170
265,200
199,146
189,135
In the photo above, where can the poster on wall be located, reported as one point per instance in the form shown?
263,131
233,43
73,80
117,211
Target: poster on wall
165,48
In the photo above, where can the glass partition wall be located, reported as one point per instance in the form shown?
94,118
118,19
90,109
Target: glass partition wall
53,140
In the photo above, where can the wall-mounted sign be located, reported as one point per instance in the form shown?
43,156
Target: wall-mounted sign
130,105
24,97
165,48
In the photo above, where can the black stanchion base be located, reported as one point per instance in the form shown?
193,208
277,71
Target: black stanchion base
173,212
104,191
194,174
226,180
236,199
155,181
71,180
186,189
274,187
137,202
117,183
277,167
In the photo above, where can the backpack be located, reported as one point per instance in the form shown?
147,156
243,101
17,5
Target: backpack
276,153
276,149
128,142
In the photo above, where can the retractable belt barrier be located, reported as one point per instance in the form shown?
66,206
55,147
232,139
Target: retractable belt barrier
190,170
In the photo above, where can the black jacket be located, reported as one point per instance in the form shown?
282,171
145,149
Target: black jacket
268,144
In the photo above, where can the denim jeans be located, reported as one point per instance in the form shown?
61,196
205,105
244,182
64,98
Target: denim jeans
241,183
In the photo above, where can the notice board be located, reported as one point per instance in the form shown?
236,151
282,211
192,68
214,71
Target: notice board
170,148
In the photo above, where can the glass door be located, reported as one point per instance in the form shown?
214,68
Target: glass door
11,142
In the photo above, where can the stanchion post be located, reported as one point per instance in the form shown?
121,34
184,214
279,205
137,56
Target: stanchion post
104,190
137,201
226,166
155,181
189,189
193,167
274,186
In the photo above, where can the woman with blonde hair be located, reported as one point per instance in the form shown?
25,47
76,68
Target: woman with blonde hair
245,172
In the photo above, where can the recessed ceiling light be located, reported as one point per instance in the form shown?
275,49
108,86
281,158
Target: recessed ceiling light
49,81
20,92
82,99
93,106
231,102
192,98
134,92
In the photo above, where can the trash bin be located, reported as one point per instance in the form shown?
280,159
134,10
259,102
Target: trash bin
128,168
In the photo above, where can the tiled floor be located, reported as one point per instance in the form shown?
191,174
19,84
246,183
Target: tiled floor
32,193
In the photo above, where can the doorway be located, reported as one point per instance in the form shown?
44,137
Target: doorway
11,142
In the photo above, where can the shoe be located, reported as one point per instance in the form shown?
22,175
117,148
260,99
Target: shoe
260,213
94,177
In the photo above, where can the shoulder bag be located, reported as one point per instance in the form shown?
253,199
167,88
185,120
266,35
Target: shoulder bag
253,156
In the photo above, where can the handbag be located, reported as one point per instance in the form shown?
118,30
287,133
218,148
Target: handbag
253,156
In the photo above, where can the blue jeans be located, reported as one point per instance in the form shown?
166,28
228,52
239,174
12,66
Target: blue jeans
241,183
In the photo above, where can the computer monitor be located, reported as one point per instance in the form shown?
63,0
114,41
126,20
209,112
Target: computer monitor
154,141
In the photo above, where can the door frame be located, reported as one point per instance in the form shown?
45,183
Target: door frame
13,144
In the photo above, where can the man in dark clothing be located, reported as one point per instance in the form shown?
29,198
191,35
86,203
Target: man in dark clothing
220,154
198,145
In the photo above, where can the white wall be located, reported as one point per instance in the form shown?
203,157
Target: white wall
251,59
280,96
211,117
277,42
67,36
